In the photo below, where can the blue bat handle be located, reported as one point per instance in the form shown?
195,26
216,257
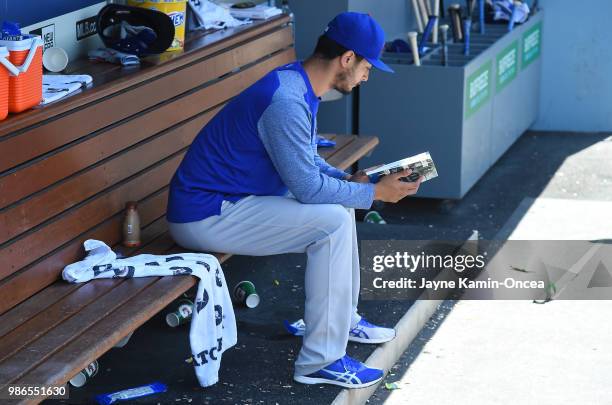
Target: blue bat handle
427,34
481,16
445,53
512,16
467,27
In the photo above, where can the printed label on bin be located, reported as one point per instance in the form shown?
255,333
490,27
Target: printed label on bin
48,35
177,18
532,44
507,66
478,89
86,27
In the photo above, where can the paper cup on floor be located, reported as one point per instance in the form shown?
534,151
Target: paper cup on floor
245,294
86,374
55,59
182,315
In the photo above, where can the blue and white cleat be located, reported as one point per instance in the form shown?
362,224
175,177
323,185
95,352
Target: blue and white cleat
365,332
345,372
297,328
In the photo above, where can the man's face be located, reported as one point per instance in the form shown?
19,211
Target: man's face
351,72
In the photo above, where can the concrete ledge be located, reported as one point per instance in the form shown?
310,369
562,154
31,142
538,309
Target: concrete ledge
387,354
407,328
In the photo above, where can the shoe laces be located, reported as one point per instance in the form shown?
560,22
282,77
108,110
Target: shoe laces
351,364
365,323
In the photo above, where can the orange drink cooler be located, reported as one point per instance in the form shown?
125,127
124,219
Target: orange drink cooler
4,82
25,88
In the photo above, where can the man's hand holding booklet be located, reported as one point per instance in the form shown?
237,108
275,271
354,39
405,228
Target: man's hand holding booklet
400,179
421,165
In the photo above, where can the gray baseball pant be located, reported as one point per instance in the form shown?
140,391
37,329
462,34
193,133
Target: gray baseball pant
270,225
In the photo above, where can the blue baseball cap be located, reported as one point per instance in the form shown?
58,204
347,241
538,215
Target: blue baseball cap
361,34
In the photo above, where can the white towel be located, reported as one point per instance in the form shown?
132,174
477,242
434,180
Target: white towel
502,10
206,15
58,86
113,56
213,325
259,12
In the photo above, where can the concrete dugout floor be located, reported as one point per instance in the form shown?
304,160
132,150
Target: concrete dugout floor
260,367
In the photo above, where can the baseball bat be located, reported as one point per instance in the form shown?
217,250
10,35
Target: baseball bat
441,8
417,15
481,16
534,8
515,6
454,12
444,41
471,7
436,13
412,39
427,34
423,9
467,27
428,7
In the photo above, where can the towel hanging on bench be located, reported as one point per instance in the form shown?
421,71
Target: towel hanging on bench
213,325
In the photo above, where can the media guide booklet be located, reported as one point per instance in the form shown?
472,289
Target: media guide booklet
421,165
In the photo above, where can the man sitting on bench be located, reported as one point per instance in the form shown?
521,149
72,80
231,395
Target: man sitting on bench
252,183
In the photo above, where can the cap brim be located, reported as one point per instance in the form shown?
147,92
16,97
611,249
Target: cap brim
379,64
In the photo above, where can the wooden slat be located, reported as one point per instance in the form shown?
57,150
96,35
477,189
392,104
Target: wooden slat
64,163
331,137
27,325
341,142
60,165
61,365
54,314
83,66
56,291
34,305
54,340
65,195
41,241
46,270
55,133
124,78
345,157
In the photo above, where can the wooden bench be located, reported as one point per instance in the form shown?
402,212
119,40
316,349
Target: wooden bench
66,172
